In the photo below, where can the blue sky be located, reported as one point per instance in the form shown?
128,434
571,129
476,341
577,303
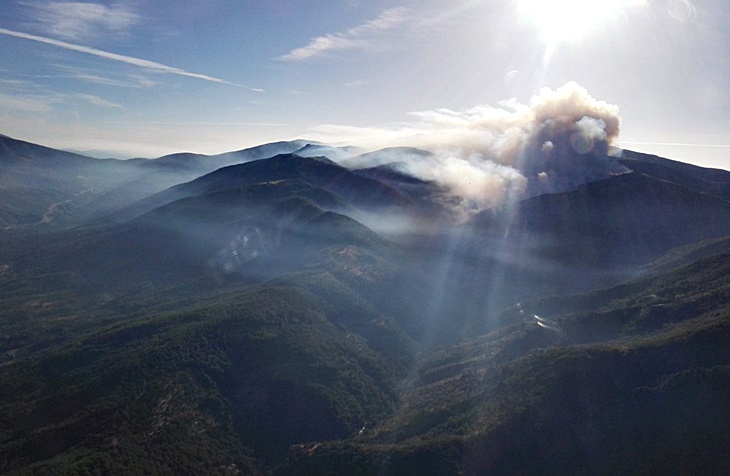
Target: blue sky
145,78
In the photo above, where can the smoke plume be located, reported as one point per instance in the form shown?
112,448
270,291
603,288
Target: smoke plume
487,156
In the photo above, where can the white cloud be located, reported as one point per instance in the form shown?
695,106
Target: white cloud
83,20
359,37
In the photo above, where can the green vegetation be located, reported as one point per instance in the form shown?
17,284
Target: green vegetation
521,400
305,373
245,323
276,362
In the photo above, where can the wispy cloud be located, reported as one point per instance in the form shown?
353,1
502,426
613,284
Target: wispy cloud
83,20
139,62
24,104
97,101
44,103
134,82
14,82
359,37
129,81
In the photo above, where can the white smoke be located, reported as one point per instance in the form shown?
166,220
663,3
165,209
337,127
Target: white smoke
473,184
555,143
487,156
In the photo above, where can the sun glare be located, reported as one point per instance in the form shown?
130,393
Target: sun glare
567,20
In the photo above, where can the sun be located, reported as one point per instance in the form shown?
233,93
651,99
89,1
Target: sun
561,21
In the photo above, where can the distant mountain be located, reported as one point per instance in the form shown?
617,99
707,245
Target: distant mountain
203,164
40,185
255,232
158,174
103,154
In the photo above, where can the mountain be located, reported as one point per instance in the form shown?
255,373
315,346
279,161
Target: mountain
44,186
289,315
358,190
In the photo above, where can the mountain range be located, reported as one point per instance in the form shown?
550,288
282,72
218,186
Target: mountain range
296,308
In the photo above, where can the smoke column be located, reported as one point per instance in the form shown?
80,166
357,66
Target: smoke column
488,156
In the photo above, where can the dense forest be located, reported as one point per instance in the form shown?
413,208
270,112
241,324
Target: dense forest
272,311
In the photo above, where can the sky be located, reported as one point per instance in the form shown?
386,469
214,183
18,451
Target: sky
143,78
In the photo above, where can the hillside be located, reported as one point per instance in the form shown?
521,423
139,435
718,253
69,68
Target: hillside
288,315
650,364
